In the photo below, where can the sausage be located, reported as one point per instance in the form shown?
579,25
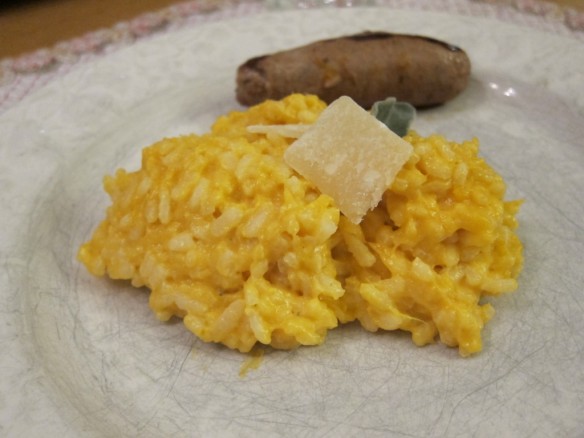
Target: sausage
367,67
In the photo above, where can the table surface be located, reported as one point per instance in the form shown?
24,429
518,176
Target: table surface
28,25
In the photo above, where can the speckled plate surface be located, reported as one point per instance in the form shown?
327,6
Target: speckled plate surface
84,356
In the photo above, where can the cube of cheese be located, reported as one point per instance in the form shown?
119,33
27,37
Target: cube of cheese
349,155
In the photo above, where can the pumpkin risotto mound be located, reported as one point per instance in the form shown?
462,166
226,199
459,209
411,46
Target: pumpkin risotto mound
245,250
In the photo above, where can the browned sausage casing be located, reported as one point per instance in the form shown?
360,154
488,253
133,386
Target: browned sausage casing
368,67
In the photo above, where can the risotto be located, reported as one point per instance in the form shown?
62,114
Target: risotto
229,238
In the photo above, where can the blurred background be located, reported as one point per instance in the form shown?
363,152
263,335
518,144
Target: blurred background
27,25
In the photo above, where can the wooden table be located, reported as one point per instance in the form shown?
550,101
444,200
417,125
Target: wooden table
27,25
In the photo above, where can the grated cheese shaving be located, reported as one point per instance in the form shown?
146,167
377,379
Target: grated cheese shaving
349,155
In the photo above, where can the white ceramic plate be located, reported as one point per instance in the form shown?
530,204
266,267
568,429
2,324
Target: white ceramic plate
83,356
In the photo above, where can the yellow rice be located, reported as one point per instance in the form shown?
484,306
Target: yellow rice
229,238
